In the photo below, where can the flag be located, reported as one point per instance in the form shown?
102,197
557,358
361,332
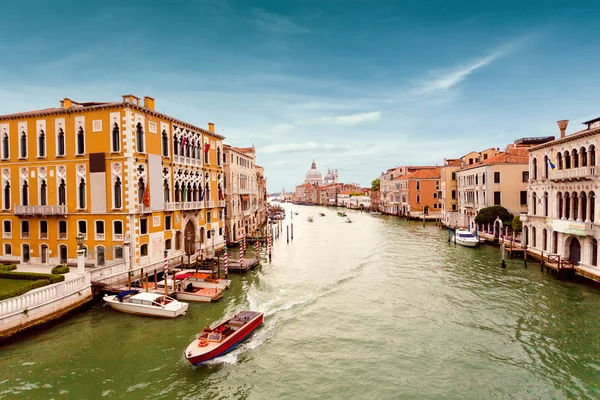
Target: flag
222,197
202,194
552,166
206,147
146,198
183,141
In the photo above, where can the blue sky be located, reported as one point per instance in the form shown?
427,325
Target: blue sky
360,86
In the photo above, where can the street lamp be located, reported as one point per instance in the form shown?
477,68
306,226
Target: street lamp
80,255
79,239
189,247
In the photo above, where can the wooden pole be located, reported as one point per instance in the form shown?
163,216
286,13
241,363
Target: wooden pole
129,280
503,254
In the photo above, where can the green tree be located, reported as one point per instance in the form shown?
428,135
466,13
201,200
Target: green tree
375,185
489,214
517,225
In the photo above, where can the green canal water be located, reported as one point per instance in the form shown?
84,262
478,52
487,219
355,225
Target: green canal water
377,309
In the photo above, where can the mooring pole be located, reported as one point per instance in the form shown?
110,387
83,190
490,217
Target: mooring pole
503,254
292,230
287,233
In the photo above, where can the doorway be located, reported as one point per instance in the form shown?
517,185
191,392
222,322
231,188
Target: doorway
575,251
63,254
44,254
25,253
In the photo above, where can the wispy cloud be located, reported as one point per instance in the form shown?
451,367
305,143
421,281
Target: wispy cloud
353,119
301,147
277,23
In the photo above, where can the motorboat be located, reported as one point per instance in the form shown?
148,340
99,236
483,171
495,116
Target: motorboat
342,214
348,221
186,291
145,303
215,342
375,213
465,238
202,280
322,214
296,213
310,219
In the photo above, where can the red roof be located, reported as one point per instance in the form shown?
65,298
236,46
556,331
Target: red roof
430,173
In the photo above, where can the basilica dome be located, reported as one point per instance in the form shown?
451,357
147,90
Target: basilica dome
329,178
313,176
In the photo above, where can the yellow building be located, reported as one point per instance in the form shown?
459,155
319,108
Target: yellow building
132,181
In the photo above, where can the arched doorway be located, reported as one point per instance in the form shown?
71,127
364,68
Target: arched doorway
25,253
100,258
555,242
63,254
44,254
574,251
189,237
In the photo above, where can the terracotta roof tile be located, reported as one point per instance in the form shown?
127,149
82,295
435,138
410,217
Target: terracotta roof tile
429,173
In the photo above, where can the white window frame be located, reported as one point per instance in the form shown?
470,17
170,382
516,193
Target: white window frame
4,233
85,235
96,237
113,229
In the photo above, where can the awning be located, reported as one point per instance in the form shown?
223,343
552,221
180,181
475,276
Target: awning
245,197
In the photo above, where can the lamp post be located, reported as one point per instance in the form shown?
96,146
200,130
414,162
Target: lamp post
80,254
189,247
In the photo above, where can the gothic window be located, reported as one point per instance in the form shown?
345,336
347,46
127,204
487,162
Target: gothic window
534,169
207,195
81,193
166,191
139,138
592,156
117,193
175,145
583,155
218,156
43,193
141,190
25,194
80,141
205,155
60,142
5,147
7,196
575,159
559,161
189,192
592,201
177,199
165,144
116,138
62,193
567,160
42,144
23,145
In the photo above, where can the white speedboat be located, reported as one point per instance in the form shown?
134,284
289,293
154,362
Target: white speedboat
202,280
465,238
150,304
348,221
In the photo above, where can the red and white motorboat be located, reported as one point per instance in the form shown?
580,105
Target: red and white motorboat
215,342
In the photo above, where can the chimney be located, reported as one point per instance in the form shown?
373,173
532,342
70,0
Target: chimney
211,127
149,102
66,103
129,98
562,125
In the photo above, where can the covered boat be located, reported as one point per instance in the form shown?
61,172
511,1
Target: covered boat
188,292
203,280
215,342
322,214
465,238
150,304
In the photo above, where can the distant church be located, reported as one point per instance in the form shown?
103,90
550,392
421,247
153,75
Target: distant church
314,177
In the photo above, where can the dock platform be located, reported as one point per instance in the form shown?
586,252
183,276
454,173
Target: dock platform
248,264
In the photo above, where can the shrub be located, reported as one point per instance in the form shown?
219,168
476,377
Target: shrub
60,269
24,289
517,225
7,267
489,214
31,276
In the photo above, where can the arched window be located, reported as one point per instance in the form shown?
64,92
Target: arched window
43,193
575,201
219,156
592,199
193,151
5,147
7,196
546,204
544,240
594,252
583,157
144,250
574,159
60,143
141,190
205,154
583,202
166,191
207,192
81,194
533,234
483,178
567,160
139,137
545,167
560,205
195,193
559,161
42,144
189,192
118,193
25,194
592,154
165,144
175,145
199,151
187,148
534,203
62,193
567,206
176,191
116,138
80,141
534,168
23,145
178,240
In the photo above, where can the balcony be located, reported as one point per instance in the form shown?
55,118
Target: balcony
210,204
184,205
100,236
24,235
43,235
573,174
40,210
62,236
221,203
117,236
144,209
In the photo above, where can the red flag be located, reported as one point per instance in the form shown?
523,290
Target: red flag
146,199
183,141
206,147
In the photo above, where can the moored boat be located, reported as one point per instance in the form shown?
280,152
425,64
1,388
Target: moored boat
341,214
465,238
203,280
348,221
322,214
310,219
215,342
150,304
204,295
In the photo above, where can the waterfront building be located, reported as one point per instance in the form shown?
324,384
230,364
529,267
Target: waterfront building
448,191
331,177
130,181
562,213
390,190
245,193
418,192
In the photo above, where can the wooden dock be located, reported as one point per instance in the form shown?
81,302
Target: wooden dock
248,264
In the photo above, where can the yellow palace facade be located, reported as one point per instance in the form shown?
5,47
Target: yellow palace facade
132,182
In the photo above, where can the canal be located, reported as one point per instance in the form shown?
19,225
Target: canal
377,309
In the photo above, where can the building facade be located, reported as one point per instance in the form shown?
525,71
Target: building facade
132,182
419,192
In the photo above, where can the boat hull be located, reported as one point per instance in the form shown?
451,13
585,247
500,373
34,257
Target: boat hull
467,243
226,346
200,283
147,310
188,296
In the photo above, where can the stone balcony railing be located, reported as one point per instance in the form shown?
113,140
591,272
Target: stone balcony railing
179,159
117,236
40,210
210,204
143,209
62,236
572,174
184,205
221,203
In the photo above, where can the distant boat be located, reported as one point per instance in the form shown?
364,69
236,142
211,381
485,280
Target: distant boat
465,238
322,214
225,337
348,221
310,219
375,213
145,303
341,214
295,212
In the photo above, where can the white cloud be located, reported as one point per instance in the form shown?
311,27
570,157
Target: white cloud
353,119
299,147
282,128
277,23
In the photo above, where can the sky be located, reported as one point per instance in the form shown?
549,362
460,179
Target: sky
360,86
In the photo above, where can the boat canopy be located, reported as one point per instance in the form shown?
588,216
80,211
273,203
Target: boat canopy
183,276
122,295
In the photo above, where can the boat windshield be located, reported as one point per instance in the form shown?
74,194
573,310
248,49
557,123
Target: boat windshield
214,337
466,236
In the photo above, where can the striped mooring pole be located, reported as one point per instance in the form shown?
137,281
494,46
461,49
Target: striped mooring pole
270,239
166,269
241,255
225,262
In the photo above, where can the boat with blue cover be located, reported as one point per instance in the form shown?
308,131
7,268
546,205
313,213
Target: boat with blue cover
144,303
